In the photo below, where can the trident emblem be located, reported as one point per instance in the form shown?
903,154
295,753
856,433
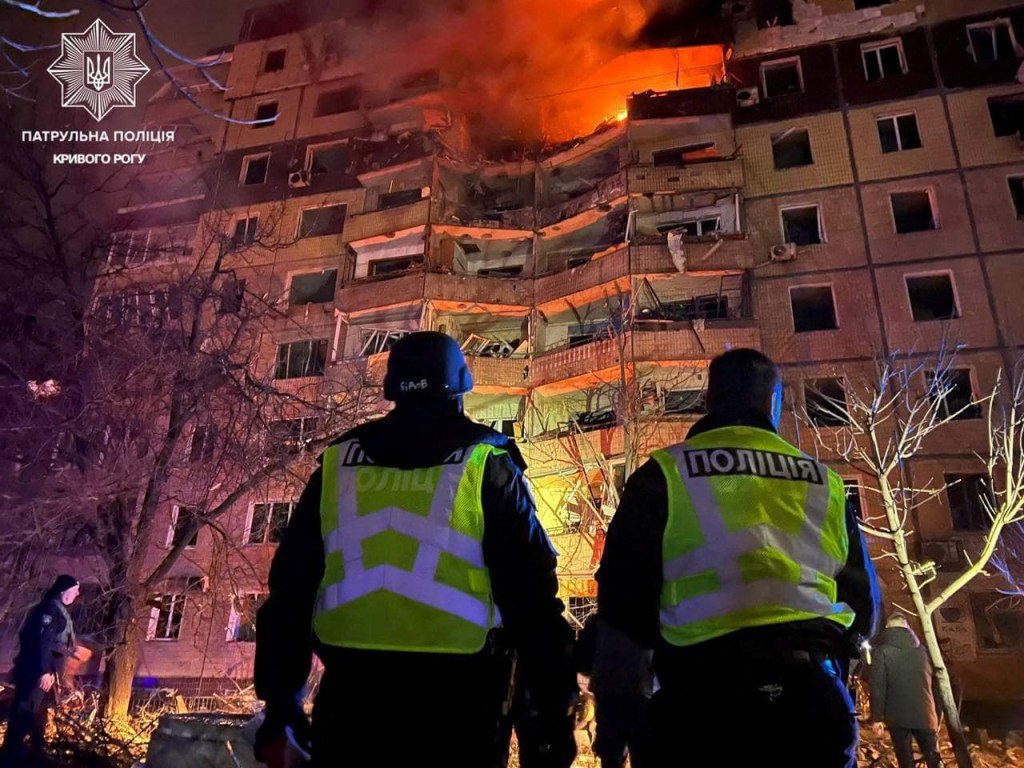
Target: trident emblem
98,74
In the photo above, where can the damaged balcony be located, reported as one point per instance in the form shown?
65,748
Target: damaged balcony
486,199
610,268
413,212
495,344
648,179
581,177
576,241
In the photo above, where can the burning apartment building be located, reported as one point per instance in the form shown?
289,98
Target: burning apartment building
595,206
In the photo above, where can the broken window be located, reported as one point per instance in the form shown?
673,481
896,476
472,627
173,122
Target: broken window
932,297
292,435
711,306
959,402
301,358
885,59
858,4
965,495
792,148
1007,115
782,77
596,419
269,519
245,231
685,401
912,211
584,333
165,616
326,220
274,61
242,621
695,227
337,101
512,270
1016,184
181,518
802,225
998,621
204,441
265,115
330,160
254,169
400,198
393,266
992,41
377,340
814,308
899,132
825,400
312,287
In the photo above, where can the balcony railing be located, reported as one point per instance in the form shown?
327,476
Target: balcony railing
477,216
595,272
382,222
729,253
699,340
500,372
507,291
608,189
695,177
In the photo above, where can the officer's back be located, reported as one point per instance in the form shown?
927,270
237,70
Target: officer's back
415,539
734,557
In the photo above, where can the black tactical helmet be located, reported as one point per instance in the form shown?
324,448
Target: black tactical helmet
426,363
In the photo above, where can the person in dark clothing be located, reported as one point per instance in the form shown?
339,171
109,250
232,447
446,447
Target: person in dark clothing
379,640
900,680
767,586
46,642
622,681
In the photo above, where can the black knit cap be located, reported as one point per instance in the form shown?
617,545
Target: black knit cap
63,583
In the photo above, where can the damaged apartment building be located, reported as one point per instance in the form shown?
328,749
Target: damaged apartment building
842,178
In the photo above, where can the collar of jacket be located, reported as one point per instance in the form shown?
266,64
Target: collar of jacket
738,417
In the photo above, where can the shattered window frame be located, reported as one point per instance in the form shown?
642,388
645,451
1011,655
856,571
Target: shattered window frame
992,27
267,519
921,308
314,222
275,59
791,228
301,359
242,619
874,51
788,148
322,293
324,147
259,113
244,230
904,221
248,162
817,318
791,62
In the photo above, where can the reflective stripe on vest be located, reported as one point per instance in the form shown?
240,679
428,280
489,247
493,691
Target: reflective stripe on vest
404,554
756,534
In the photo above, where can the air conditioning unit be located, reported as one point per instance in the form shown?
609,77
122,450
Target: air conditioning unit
297,179
748,97
784,252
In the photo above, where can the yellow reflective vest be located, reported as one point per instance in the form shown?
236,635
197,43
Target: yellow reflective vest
404,564
756,534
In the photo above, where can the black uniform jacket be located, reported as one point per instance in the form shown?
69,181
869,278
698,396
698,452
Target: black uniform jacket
519,558
41,648
630,576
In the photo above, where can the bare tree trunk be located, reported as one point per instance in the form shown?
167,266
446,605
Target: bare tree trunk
924,615
121,664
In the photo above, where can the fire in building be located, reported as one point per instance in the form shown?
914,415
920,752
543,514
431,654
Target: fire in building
593,206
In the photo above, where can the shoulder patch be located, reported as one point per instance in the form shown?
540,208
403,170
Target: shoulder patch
47,619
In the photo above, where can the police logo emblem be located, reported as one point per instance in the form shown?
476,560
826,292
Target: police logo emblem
98,69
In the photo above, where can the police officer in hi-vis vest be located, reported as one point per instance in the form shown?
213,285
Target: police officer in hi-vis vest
413,563
734,556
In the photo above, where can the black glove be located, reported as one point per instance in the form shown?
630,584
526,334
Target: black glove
271,735
546,741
